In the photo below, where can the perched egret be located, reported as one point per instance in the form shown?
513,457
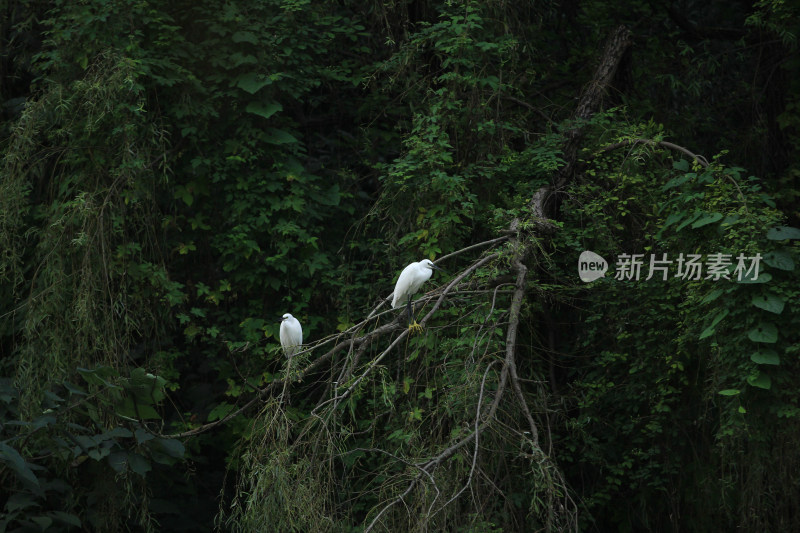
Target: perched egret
411,279
291,335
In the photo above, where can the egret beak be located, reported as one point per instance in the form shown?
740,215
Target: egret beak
438,267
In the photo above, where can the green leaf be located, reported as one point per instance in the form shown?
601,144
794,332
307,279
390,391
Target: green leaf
765,332
245,37
252,82
681,164
729,392
760,380
98,376
710,329
220,411
707,219
262,109
118,461
674,182
783,232
15,462
20,500
172,447
688,221
142,436
139,464
146,387
769,302
707,332
780,260
44,522
713,295
133,410
67,518
766,357
276,136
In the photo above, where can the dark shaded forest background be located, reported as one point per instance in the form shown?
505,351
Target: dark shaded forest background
177,175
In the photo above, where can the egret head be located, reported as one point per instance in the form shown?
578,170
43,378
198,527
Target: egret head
427,263
287,315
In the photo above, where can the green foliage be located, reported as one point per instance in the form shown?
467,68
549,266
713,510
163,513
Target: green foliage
175,177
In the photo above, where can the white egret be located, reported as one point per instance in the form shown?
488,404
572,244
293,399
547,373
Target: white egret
291,335
411,279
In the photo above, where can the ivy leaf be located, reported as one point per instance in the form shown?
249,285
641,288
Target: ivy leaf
760,380
769,302
780,260
783,232
766,357
765,332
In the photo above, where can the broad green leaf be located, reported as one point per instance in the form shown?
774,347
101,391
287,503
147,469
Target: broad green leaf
117,432
707,332
765,332
172,447
252,82
707,219
681,164
713,295
220,411
276,136
98,376
729,392
142,436
769,302
245,37
779,259
133,410
139,464
17,464
118,461
674,182
20,500
44,522
147,388
262,109
67,518
760,380
688,221
722,314
783,232
766,357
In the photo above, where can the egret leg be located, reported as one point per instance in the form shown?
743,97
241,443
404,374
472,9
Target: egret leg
412,323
